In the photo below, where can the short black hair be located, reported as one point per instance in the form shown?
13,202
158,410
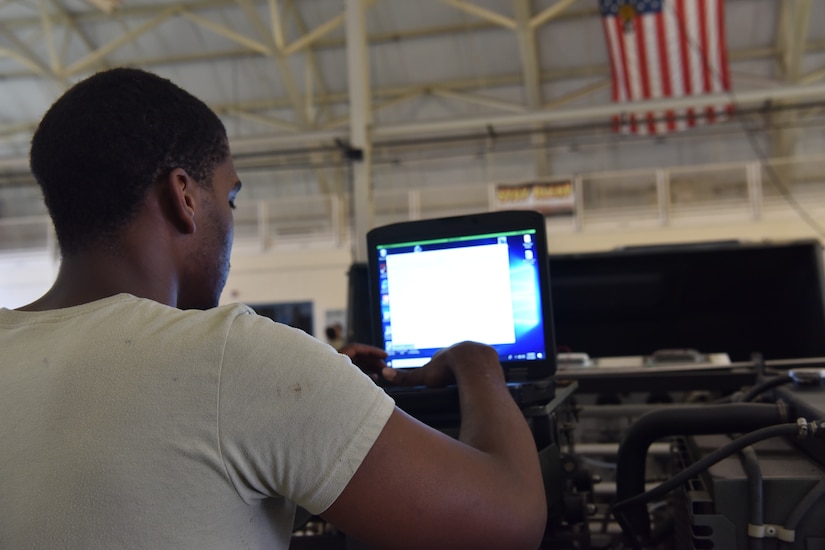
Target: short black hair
101,146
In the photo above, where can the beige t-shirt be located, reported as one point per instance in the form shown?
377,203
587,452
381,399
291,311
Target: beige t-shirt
125,423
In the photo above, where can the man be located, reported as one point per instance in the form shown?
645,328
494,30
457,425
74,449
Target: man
335,335
136,413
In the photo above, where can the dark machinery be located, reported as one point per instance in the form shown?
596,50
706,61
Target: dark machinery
745,472
673,453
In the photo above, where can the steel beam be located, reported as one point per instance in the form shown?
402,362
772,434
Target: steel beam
531,73
226,32
269,121
48,34
483,13
31,64
321,107
276,21
604,112
106,6
26,57
813,76
358,71
550,115
478,100
796,17
550,13
72,24
791,38
320,31
99,53
279,58
313,70
344,121
577,94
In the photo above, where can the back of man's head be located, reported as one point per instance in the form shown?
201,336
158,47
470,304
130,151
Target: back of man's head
102,145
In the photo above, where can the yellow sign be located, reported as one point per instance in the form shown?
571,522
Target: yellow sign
550,198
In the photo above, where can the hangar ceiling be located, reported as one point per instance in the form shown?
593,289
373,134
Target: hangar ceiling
432,72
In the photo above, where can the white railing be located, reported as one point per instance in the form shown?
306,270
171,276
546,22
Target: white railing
676,196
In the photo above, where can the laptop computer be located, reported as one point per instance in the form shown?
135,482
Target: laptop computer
481,277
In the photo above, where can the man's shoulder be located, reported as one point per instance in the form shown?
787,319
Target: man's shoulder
157,309
145,315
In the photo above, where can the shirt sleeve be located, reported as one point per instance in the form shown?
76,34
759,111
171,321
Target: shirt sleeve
295,417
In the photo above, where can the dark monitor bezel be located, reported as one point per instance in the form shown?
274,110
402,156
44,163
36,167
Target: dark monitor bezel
482,223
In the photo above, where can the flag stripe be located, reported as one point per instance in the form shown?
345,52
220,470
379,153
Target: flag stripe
644,74
666,48
684,47
706,55
675,60
723,52
628,69
664,69
654,64
620,89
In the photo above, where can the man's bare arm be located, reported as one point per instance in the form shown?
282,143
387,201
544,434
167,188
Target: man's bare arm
418,488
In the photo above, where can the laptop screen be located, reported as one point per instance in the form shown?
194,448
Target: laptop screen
480,278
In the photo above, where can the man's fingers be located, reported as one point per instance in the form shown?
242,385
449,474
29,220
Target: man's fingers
402,377
392,375
422,376
355,348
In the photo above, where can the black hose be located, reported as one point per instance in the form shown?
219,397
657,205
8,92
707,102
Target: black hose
621,508
657,424
756,515
756,390
765,386
802,508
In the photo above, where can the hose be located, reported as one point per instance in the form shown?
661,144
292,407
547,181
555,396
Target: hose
756,509
801,510
639,500
652,426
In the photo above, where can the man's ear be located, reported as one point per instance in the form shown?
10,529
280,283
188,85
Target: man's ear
181,191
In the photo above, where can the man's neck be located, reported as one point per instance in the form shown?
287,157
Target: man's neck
93,275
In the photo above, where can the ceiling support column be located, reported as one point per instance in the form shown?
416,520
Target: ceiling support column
532,82
794,25
360,151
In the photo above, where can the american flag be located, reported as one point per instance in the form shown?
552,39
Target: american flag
664,49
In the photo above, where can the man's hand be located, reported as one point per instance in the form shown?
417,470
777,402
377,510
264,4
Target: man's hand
484,490
447,365
369,359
